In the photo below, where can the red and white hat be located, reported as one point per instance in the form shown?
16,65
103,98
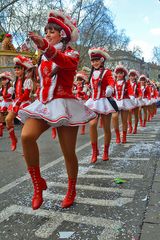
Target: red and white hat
82,75
98,53
67,24
142,77
8,35
23,61
121,68
134,72
7,75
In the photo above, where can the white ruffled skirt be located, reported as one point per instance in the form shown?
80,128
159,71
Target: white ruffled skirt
58,112
137,102
4,106
153,100
100,106
125,104
146,102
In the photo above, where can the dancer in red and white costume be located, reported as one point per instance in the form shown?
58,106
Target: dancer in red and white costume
137,93
102,87
81,91
22,90
6,91
152,104
56,105
144,101
155,98
122,94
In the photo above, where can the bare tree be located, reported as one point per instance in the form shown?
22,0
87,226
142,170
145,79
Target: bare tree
97,28
24,16
156,54
137,51
94,20
5,4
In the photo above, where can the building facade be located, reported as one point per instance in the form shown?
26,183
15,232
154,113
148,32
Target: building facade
151,70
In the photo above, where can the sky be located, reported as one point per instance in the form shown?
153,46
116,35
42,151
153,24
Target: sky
141,21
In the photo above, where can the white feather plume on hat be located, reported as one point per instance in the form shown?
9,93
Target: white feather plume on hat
7,75
23,61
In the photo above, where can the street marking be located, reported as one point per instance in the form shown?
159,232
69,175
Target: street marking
119,159
129,159
112,174
137,141
121,175
91,201
45,167
115,174
111,227
123,192
128,144
140,137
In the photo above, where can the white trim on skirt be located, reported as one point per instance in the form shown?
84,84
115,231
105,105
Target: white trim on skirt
58,112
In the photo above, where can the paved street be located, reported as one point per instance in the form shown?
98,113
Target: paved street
104,210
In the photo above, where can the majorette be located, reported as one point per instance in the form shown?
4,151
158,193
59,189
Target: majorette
22,90
6,92
82,91
145,100
102,87
56,105
137,93
122,95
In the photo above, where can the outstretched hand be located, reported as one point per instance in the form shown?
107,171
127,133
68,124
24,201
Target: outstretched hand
39,41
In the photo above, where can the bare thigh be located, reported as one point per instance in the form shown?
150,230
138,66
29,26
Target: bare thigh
33,128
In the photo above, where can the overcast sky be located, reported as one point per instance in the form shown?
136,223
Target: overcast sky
141,20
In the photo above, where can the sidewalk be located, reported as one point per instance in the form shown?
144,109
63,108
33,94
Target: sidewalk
151,222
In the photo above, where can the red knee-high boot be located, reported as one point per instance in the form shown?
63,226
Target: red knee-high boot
105,153
141,122
135,129
130,127
155,111
149,117
124,140
39,185
71,193
144,123
54,133
1,129
83,130
95,152
118,139
13,138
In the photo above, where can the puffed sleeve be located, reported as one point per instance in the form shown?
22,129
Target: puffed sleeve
69,59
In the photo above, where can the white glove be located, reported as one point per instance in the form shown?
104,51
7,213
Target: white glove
109,91
132,97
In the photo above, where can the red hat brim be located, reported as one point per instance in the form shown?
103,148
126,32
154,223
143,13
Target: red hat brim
62,25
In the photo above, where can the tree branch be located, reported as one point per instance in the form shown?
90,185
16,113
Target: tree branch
9,4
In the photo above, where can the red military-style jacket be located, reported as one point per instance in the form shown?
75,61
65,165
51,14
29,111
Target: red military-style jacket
98,86
60,85
136,88
122,90
7,93
146,93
